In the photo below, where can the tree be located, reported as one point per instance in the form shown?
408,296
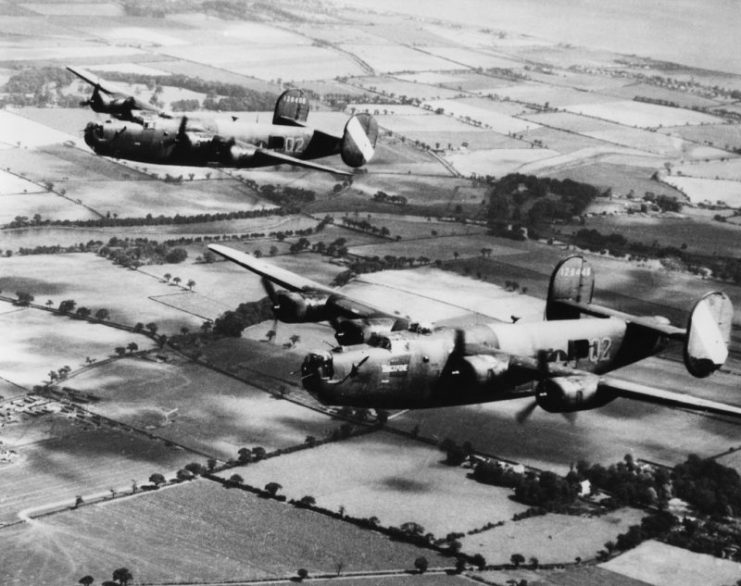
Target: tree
132,347
83,312
176,255
102,314
308,501
86,580
421,564
24,298
157,479
120,350
177,280
236,479
517,559
122,576
294,339
303,573
479,561
152,327
167,277
191,283
270,335
272,488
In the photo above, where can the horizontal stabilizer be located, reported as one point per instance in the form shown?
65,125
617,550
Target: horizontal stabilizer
647,394
266,157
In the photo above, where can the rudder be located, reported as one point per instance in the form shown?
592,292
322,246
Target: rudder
708,334
291,108
571,280
359,140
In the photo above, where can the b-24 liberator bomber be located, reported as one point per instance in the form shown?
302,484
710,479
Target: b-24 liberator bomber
383,362
149,135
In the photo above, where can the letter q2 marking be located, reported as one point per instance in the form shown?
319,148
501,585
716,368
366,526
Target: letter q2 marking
599,349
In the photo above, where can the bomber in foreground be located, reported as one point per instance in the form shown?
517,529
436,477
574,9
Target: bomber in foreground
383,362
146,134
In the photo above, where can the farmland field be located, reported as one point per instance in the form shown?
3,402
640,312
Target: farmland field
34,342
95,282
663,565
631,113
497,162
553,537
231,415
399,481
75,458
389,58
498,122
708,190
199,530
725,169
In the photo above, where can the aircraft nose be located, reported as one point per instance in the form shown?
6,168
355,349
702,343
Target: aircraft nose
94,134
316,370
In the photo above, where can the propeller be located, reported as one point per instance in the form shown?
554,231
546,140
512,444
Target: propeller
543,372
354,369
273,296
524,414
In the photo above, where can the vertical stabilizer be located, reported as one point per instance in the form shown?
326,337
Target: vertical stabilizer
572,280
359,140
291,109
708,334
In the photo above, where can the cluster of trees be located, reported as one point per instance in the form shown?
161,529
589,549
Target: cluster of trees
366,226
287,196
121,577
657,101
555,199
221,96
141,251
39,86
383,197
374,264
232,323
162,220
723,268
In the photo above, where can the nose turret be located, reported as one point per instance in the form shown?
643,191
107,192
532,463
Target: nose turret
94,135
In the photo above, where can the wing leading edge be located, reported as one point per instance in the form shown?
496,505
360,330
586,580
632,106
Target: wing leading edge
293,282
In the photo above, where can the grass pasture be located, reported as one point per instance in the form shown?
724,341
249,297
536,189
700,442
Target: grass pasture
13,185
720,135
663,565
399,481
36,341
622,179
551,538
214,413
76,458
94,282
496,162
642,115
684,99
22,132
714,191
200,531
497,121
400,87
385,58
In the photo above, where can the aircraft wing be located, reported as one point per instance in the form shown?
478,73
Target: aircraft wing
348,306
267,157
648,394
111,90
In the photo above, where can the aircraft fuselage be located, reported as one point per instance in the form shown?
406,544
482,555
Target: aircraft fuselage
411,370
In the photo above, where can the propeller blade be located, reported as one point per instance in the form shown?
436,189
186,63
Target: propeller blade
524,414
570,417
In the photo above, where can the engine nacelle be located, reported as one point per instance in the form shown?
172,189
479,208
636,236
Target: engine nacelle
481,369
566,394
294,308
349,332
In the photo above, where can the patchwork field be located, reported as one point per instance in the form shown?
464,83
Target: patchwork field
552,538
496,162
642,115
664,565
167,400
36,341
713,191
399,481
197,529
496,121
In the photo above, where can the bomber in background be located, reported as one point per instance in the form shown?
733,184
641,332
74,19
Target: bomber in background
146,134
383,362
